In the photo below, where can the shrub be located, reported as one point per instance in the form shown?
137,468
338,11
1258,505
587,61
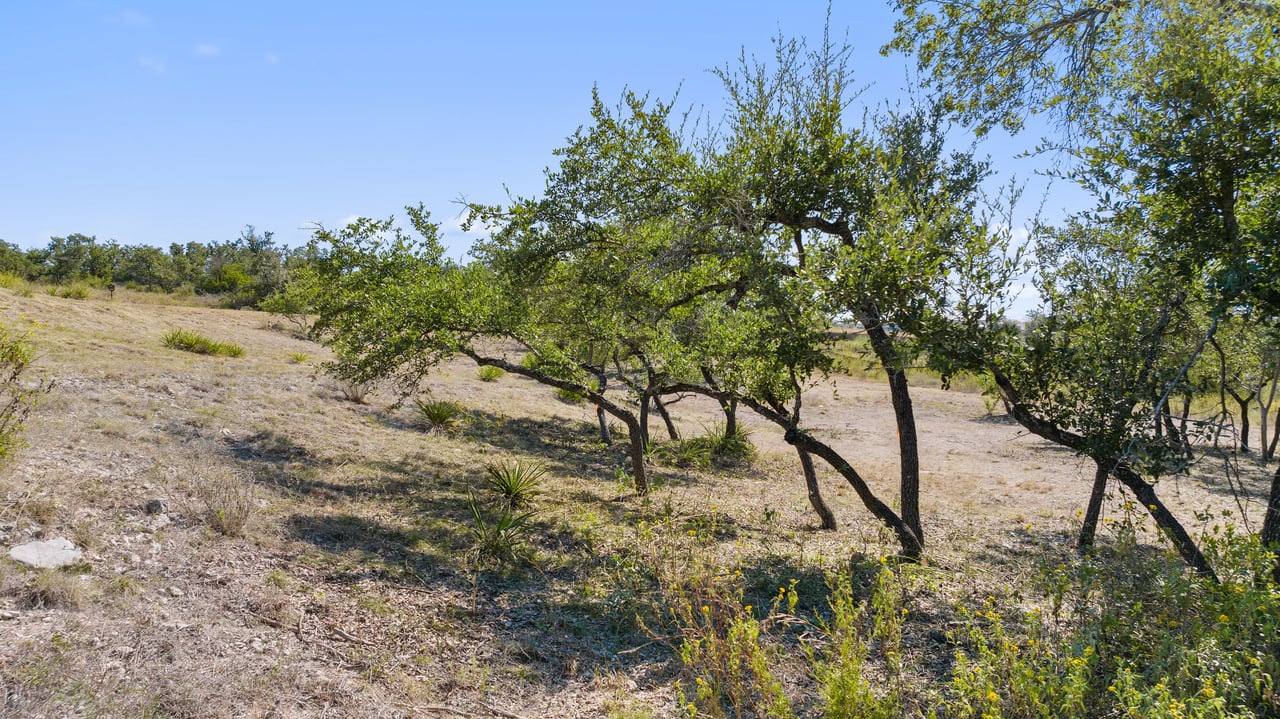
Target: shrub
299,357
18,284
357,392
439,416
489,374
228,503
199,344
515,483
568,396
693,452
733,449
17,395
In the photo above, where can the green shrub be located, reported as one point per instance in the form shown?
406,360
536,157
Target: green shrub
199,344
693,452
18,284
515,483
568,396
712,449
488,373
299,357
439,416
17,394
732,450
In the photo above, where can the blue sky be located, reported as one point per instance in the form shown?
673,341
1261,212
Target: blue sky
151,123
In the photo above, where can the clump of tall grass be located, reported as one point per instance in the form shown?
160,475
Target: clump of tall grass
489,373
195,342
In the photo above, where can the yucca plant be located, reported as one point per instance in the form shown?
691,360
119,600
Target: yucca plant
439,416
515,483
501,541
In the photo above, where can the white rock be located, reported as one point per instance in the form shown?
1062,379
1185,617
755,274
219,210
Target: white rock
50,554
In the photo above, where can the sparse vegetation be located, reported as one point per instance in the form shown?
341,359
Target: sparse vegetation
439,416
489,374
188,341
227,500
18,392
57,589
299,357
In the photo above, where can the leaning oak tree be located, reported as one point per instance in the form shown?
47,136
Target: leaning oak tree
1171,107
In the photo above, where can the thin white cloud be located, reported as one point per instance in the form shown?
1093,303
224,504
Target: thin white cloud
207,49
271,58
152,63
133,18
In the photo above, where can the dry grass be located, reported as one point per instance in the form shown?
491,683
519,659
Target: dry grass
345,586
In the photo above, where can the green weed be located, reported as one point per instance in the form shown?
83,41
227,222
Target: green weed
488,373
199,344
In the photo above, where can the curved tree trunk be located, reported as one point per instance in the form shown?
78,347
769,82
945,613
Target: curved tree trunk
908,445
801,440
1270,535
815,494
1089,528
602,403
644,418
601,417
1141,489
672,432
911,546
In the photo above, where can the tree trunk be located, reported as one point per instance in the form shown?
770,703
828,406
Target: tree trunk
911,546
815,494
644,418
1141,489
1270,536
1275,436
908,447
672,432
1089,529
1244,423
636,438
605,435
601,402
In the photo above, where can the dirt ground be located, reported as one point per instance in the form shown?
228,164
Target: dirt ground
347,592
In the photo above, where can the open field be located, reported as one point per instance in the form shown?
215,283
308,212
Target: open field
349,588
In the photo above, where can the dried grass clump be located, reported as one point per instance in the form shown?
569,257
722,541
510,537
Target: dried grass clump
228,502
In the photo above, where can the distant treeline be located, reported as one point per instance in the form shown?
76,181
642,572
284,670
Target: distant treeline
243,271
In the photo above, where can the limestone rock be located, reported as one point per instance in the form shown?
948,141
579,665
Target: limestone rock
49,554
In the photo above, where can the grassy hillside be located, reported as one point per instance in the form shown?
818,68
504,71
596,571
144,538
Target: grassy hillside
315,556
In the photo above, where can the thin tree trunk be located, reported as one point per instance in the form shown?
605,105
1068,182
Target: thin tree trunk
907,540
1270,535
605,435
644,418
672,432
731,418
1275,436
1089,529
911,546
1244,423
619,412
908,446
815,494
1141,489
